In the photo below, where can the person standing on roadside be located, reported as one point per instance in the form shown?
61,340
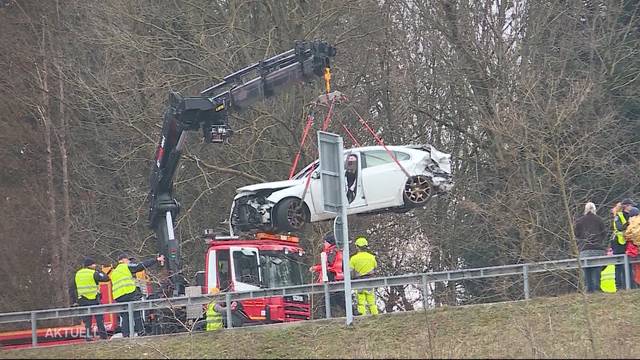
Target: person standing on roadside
591,236
85,291
621,212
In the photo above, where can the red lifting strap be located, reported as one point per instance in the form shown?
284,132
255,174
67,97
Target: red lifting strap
353,138
325,125
305,132
379,141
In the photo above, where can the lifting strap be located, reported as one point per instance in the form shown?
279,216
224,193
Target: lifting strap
379,141
325,126
310,119
305,132
353,138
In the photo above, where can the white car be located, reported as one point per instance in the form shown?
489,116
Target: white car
375,183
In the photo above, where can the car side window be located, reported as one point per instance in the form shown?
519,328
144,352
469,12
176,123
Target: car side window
380,157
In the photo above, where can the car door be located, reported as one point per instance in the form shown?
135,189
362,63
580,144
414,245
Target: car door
360,199
382,179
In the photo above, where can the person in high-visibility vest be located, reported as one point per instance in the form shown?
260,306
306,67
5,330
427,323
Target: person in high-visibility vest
364,263
124,289
217,311
84,291
622,211
608,279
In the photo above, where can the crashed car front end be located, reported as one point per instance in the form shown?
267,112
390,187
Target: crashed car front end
251,210
437,166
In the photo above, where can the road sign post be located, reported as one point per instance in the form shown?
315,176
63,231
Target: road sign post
334,196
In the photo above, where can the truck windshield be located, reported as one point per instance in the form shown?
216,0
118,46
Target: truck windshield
280,269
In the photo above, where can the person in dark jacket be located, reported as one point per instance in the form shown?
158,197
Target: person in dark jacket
591,235
351,177
84,291
622,212
124,289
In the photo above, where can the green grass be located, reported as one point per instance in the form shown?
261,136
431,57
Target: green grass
540,328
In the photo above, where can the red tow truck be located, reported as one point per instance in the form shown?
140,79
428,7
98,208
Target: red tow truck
264,261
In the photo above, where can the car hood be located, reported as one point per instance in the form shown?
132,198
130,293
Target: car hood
270,185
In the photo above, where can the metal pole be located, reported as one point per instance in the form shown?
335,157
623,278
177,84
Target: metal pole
325,278
347,273
525,275
132,329
34,330
327,301
425,303
627,275
228,302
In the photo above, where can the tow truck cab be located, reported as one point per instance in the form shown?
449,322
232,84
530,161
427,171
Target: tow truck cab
265,261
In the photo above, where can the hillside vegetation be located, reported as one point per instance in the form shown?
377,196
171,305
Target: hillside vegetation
541,328
536,101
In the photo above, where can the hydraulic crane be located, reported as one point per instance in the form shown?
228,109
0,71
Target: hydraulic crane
209,113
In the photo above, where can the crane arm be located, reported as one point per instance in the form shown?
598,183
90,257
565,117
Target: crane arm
209,113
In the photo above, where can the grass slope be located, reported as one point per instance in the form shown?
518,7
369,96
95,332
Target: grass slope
548,328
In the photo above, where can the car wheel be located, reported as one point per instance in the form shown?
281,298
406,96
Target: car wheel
291,215
417,191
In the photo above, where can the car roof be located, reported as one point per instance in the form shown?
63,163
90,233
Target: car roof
390,147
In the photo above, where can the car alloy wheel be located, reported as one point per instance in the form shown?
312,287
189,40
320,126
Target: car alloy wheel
291,215
295,215
417,190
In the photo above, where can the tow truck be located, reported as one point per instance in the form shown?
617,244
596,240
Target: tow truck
233,263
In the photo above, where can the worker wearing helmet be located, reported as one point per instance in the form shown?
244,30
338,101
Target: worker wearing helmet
214,318
216,311
363,263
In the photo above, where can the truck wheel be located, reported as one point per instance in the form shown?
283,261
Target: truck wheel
417,191
291,215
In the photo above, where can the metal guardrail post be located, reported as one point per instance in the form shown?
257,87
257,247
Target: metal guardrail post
34,330
525,276
425,302
627,274
132,328
227,299
327,301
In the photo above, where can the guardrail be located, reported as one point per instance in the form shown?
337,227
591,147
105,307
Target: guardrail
422,280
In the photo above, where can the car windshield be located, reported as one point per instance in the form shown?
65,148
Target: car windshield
304,172
280,269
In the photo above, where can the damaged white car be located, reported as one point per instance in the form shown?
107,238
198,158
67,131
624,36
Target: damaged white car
375,182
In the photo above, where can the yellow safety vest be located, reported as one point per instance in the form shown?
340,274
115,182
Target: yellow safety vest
85,284
608,279
122,282
363,262
619,234
214,319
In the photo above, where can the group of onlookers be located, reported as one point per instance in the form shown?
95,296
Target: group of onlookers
593,239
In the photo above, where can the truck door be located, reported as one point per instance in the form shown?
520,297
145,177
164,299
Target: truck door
245,268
